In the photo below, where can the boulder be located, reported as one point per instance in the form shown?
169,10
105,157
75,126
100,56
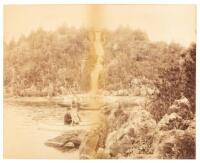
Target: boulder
175,133
175,144
137,129
118,142
102,154
94,139
143,122
116,117
169,122
182,108
66,141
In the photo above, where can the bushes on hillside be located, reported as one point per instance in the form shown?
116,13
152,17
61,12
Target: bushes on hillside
60,61
175,81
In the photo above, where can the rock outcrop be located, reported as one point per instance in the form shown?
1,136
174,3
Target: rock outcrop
175,133
94,140
131,132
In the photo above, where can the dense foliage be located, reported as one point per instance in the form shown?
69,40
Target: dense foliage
176,81
58,62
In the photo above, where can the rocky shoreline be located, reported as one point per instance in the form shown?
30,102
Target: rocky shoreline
131,132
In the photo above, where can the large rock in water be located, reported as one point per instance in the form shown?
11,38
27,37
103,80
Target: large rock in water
94,140
133,135
67,141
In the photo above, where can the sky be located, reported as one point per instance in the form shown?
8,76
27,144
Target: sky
170,23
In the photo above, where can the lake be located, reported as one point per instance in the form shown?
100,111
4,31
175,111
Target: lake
27,128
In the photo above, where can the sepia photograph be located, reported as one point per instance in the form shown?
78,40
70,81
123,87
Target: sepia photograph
99,81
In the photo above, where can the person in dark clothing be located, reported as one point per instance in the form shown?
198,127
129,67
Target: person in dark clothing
68,117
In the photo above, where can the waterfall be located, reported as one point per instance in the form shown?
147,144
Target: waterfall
98,67
98,52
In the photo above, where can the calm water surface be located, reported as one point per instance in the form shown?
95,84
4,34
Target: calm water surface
26,129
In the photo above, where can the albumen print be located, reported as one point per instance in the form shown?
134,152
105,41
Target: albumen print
99,81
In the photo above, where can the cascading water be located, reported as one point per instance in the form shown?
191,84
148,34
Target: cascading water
98,52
